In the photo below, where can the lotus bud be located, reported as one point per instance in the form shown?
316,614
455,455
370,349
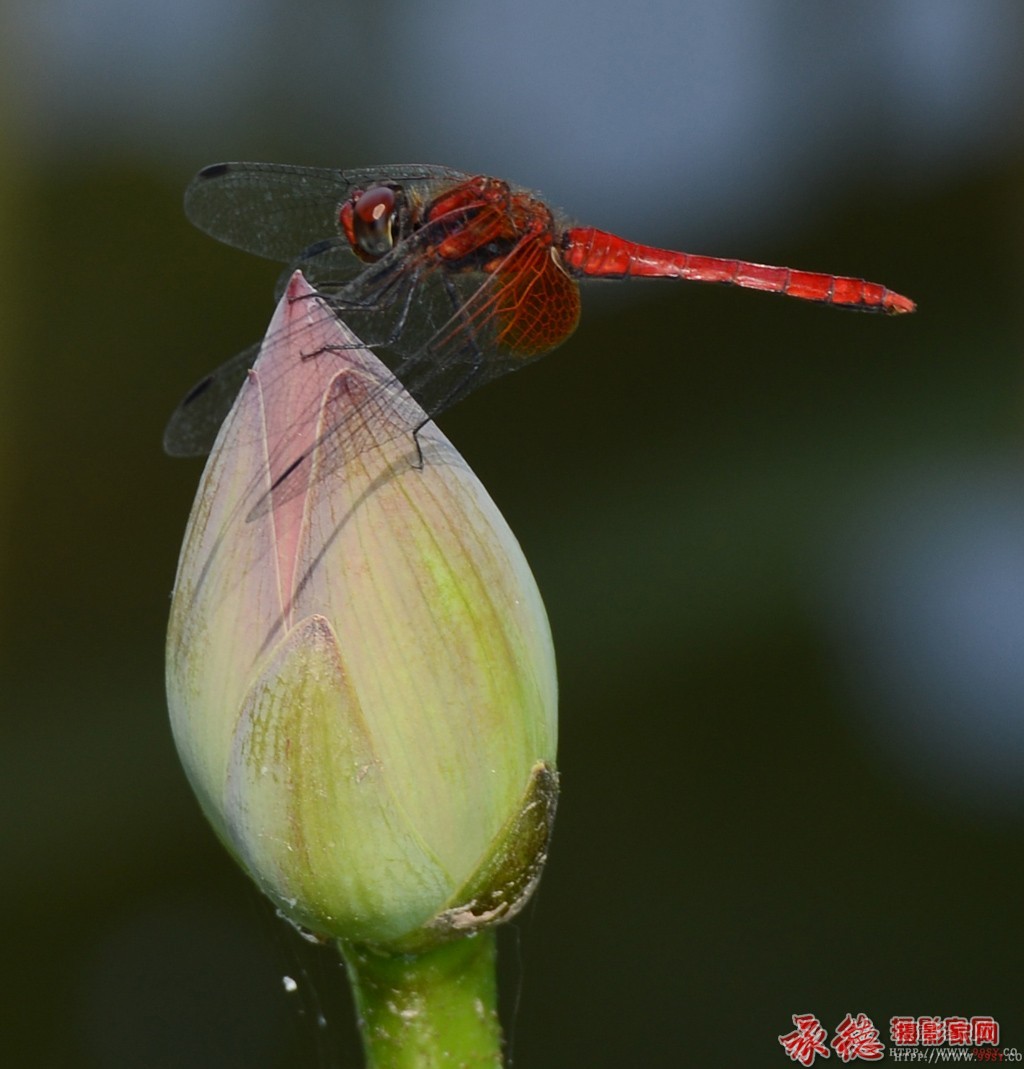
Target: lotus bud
360,673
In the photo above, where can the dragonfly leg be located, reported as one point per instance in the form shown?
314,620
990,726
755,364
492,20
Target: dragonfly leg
359,307
454,395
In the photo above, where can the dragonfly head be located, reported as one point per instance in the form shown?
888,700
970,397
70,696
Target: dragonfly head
368,221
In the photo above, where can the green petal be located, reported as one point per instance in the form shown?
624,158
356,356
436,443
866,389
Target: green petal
310,806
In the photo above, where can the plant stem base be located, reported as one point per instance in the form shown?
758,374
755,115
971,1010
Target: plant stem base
433,1009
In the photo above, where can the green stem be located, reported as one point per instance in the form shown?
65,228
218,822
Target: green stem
421,1011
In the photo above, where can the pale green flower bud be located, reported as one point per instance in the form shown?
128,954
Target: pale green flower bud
360,673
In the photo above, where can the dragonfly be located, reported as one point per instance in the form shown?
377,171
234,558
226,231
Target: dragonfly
454,279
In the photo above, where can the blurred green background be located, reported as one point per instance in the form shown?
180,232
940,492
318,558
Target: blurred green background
782,547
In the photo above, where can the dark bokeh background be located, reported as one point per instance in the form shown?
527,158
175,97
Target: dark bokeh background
782,547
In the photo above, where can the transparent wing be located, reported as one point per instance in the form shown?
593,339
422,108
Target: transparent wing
444,334
193,426
279,210
448,334
378,304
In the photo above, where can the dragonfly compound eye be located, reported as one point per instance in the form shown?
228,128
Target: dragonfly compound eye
373,217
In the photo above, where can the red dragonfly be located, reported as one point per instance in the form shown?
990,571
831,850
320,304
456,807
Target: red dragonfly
459,279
